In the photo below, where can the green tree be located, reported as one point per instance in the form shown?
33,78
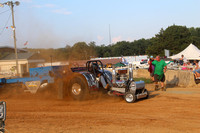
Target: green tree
195,36
121,48
139,46
175,38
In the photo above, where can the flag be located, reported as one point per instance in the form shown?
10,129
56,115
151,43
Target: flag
166,52
25,43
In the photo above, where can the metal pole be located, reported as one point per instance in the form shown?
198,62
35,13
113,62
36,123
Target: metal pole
14,35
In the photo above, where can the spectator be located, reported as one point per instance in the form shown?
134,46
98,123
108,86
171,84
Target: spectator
151,67
171,62
197,75
184,67
182,60
124,61
197,69
188,63
196,64
160,69
189,66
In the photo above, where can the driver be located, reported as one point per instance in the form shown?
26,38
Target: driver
99,74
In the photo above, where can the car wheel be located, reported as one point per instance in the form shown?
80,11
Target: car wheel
146,91
130,97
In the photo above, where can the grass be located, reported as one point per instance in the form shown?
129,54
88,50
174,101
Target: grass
147,81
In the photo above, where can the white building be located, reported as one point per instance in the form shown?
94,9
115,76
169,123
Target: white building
25,61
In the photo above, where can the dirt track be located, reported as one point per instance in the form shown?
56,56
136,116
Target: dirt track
177,110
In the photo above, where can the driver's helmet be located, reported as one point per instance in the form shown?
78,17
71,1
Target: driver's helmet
95,66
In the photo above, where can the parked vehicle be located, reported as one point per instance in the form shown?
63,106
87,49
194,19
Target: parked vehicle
144,61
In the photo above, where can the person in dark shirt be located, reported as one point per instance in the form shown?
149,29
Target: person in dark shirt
100,75
151,67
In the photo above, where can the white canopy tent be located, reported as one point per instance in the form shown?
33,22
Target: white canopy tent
190,53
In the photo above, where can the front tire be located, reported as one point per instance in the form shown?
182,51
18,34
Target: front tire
130,97
145,90
78,88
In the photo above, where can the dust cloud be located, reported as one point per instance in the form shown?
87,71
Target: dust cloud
37,31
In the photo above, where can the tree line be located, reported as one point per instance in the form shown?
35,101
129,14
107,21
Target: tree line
174,38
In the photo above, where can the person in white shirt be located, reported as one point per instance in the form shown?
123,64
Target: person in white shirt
124,61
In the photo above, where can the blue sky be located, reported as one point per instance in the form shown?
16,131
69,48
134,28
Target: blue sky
56,23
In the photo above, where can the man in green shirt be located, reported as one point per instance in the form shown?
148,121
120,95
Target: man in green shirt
159,70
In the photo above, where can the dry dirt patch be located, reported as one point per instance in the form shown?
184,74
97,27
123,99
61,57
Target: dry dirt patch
172,111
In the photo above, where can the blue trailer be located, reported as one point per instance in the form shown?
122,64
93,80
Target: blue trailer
37,78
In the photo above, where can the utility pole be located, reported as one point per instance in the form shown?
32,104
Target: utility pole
15,41
11,4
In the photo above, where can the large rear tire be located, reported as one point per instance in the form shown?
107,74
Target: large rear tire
78,88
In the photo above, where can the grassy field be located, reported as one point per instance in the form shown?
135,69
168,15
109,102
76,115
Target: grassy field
147,81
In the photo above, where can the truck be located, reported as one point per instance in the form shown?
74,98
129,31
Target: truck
81,82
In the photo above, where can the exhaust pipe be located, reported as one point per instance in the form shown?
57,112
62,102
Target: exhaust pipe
113,75
130,72
143,95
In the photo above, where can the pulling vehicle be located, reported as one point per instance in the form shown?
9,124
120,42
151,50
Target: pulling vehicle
119,84
80,82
